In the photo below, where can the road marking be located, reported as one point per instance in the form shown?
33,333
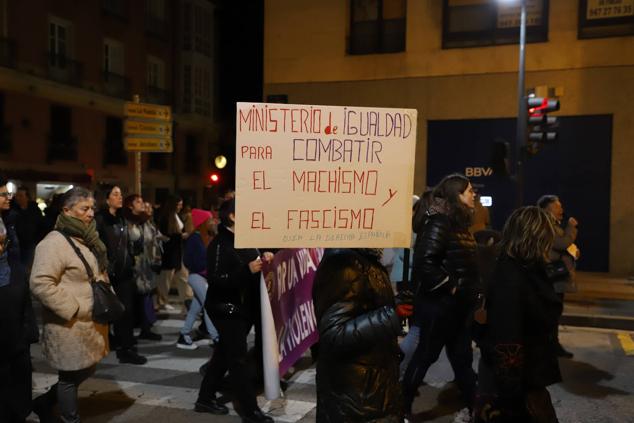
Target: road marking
626,342
281,409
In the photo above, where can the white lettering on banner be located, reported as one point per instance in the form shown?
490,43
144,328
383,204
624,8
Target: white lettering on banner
607,9
290,272
300,326
478,171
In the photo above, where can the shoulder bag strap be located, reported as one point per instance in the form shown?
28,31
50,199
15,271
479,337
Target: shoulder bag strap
91,275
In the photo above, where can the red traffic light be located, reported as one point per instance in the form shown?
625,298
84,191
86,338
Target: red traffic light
542,105
213,178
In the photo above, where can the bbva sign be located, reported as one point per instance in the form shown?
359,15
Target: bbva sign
478,171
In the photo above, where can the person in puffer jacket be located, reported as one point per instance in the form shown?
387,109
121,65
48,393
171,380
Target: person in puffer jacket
445,271
357,366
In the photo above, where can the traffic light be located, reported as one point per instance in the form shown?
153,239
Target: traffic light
214,178
542,128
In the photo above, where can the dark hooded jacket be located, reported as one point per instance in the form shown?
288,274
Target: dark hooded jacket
357,368
519,343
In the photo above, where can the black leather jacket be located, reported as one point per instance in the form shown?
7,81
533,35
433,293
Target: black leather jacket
113,231
357,368
444,251
232,287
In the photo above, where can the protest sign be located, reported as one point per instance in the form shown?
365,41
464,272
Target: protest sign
324,176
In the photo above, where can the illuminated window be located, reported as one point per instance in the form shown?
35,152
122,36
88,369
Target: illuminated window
477,23
601,18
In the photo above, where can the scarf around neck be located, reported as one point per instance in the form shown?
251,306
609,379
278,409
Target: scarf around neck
74,227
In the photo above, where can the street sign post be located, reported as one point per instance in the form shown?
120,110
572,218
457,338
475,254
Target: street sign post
148,144
147,129
147,111
133,127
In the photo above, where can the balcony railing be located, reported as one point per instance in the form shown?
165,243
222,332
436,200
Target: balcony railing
7,52
156,26
116,8
64,69
116,85
157,95
62,147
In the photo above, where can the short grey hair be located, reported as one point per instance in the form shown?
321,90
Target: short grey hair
74,196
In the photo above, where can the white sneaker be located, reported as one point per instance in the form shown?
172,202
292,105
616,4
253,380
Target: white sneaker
462,416
185,342
169,307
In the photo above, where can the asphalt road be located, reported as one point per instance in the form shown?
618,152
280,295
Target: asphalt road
598,385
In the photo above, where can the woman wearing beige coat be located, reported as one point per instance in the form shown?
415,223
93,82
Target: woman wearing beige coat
71,342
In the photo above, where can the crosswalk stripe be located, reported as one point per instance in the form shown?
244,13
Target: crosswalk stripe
282,409
626,342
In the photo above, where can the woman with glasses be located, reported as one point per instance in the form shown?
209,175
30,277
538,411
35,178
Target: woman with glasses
15,321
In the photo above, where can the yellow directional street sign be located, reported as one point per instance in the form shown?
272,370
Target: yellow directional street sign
149,144
147,111
162,129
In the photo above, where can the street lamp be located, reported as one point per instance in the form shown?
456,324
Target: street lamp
521,112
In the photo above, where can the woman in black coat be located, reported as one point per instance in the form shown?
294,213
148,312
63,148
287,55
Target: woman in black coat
232,274
357,367
113,231
519,343
445,272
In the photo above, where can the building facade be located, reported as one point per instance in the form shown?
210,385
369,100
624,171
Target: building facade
456,62
66,70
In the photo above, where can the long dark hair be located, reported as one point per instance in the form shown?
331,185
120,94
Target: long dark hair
167,215
449,190
138,219
420,210
102,193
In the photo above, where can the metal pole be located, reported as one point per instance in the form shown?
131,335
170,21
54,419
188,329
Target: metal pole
137,159
522,111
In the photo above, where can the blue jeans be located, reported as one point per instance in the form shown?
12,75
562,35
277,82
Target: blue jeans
408,346
199,286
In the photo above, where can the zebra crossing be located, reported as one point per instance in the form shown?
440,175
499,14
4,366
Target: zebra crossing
168,383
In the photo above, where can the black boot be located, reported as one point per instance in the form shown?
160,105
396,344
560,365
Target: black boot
44,404
562,352
256,416
130,356
149,335
210,405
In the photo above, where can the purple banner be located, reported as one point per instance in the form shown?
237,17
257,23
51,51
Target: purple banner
289,282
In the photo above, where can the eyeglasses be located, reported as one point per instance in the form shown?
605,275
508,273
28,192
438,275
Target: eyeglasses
6,194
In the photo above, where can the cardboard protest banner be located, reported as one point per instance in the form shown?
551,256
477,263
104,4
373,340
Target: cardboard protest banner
324,176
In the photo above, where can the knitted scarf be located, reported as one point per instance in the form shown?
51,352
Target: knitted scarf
74,227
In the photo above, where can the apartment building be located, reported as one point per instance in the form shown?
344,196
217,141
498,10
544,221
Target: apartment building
66,70
456,62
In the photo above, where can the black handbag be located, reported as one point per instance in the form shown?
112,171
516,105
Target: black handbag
106,307
556,271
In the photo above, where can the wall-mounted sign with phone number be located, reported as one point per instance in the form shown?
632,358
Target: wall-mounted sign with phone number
607,9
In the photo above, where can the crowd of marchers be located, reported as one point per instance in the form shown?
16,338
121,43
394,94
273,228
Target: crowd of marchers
85,240
501,292
460,285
